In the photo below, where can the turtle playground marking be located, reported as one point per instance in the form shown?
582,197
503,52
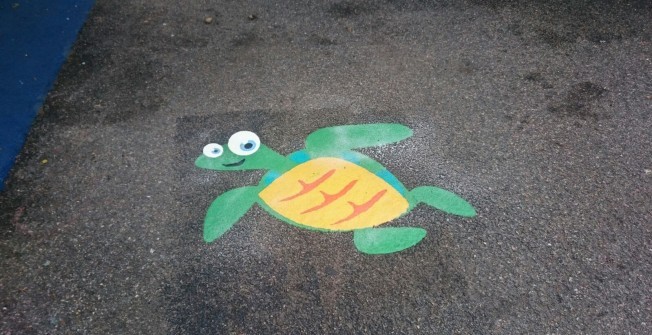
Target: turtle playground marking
325,187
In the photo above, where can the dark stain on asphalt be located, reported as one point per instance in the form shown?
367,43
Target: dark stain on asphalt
537,77
515,29
137,77
321,40
563,23
555,38
216,301
347,9
135,85
578,101
292,290
466,66
244,40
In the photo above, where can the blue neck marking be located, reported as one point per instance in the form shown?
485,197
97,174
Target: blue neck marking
297,157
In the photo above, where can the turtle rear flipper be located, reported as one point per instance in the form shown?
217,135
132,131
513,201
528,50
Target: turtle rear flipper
344,138
387,240
443,200
227,209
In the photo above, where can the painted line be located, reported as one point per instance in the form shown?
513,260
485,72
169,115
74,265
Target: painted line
35,38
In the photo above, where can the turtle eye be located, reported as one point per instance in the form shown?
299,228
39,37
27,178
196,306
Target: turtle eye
244,143
213,150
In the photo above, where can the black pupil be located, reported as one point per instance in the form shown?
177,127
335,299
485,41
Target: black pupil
248,145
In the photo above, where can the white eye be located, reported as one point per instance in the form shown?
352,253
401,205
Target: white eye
244,143
213,150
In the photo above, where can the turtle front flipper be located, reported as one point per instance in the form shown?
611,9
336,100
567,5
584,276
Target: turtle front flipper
387,240
443,200
227,209
343,138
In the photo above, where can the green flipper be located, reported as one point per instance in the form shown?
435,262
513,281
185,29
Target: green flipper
443,200
387,240
344,138
227,209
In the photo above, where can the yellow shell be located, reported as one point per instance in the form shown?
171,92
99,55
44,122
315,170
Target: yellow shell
334,194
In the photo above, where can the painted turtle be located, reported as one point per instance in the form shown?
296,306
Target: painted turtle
325,187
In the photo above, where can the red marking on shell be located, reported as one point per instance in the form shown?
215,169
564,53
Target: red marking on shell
329,198
307,187
359,209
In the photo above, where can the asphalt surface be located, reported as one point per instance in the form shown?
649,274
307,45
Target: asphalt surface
537,114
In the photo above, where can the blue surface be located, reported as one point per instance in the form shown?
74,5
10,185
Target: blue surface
35,38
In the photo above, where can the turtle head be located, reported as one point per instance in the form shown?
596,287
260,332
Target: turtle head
243,152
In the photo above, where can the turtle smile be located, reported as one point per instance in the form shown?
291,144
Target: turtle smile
235,164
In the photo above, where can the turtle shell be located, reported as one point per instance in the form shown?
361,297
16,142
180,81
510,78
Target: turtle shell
333,194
